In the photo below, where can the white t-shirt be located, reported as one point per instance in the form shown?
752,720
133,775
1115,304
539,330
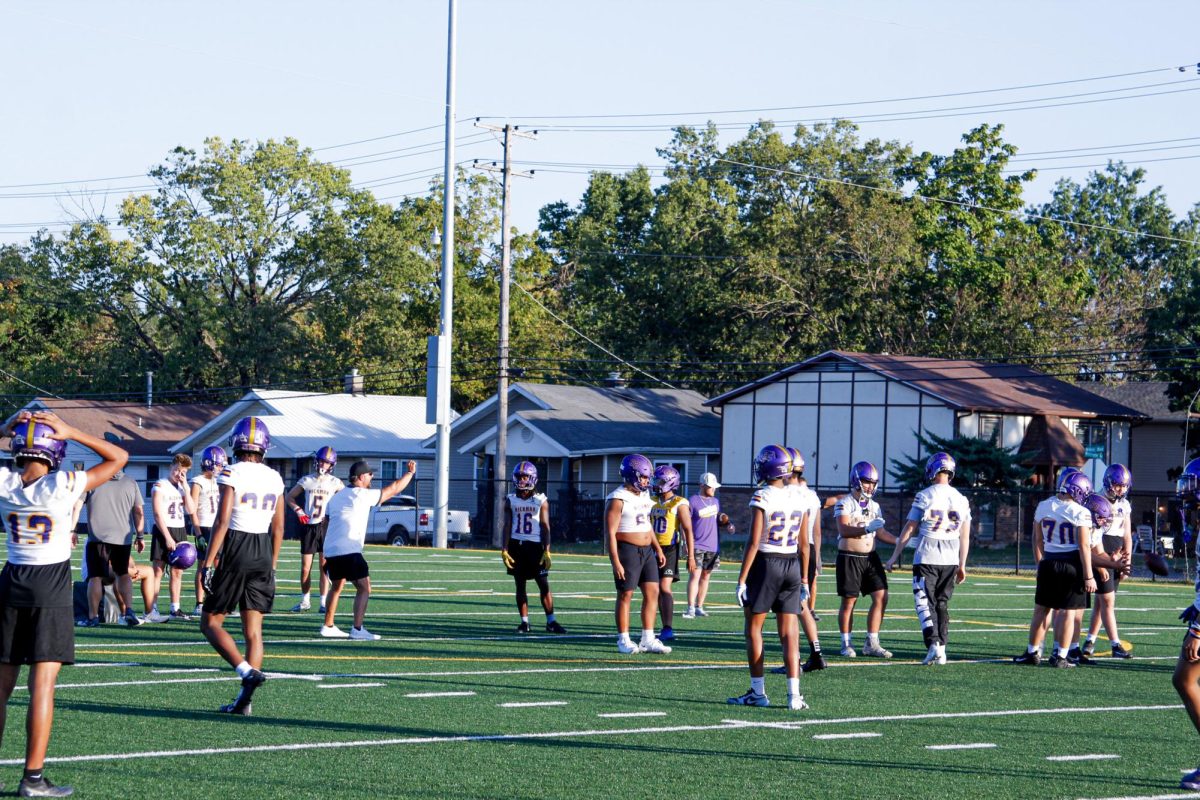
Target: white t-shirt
172,500
941,511
812,505
635,511
348,512
208,501
1058,522
848,506
783,518
526,517
317,491
257,489
37,517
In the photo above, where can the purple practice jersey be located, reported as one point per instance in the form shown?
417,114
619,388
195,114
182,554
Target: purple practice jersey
704,522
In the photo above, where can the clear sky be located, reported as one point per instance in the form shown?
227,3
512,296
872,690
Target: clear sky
98,90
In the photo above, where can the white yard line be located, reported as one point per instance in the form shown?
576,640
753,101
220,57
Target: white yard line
623,714
863,735
439,694
1085,757
349,686
184,669
537,704
106,664
1188,796
971,746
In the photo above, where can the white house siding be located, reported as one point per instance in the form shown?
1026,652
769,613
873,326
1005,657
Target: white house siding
1159,447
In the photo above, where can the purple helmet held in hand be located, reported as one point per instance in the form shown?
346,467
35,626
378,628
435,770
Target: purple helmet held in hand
1118,480
666,479
213,459
864,472
31,440
939,462
1102,510
1075,485
250,435
525,476
772,462
183,556
797,460
637,471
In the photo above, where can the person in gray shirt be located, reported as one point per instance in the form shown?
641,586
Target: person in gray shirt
112,507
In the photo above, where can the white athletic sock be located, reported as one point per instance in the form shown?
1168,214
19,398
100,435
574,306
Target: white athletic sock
758,685
1091,638
623,638
873,638
174,607
647,634
243,669
1033,649
306,597
525,618
793,687
941,650
1114,642
846,639
1061,652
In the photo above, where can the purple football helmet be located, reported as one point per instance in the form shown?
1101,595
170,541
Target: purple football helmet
1075,485
326,459
1187,487
637,471
183,556
666,479
32,440
250,435
1118,480
797,460
772,462
861,473
1102,510
939,462
213,459
525,476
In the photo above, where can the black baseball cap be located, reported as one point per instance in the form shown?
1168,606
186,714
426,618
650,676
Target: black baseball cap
360,468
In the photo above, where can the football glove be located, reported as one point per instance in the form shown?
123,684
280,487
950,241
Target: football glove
741,595
509,561
546,562
304,518
804,593
206,578
874,525
1190,615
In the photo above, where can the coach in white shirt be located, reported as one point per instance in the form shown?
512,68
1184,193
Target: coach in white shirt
348,513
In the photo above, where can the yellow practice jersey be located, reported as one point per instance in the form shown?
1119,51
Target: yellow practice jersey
665,519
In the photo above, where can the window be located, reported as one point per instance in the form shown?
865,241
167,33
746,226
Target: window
389,469
681,466
989,427
985,523
1093,437
151,477
482,469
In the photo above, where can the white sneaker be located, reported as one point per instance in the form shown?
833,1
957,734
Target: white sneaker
153,615
796,702
627,647
700,612
931,656
333,632
876,651
689,614
362,634
750,698
655,645
303,605
941,656
849,652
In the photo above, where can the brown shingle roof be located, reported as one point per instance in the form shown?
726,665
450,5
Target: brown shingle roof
139,430
1051,443
1148,397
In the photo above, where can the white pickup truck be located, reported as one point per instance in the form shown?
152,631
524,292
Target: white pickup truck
399,521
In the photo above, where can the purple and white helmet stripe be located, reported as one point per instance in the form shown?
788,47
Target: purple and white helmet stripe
213,459
525,475
666,479
1102,510
637,471
1116,478
773,462
939,462
1075,485
863,472
32,440
250,435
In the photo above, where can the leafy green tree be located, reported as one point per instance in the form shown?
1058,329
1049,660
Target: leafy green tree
980,464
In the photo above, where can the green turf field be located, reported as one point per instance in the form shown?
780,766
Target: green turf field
452,704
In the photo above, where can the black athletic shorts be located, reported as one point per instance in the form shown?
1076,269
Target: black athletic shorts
527,559
244,578
203,537
312,537
707,561
1111,544
640,565
671,568
105,560
814,558
158,545
350,567
773,584
1060,582
859,574
37,620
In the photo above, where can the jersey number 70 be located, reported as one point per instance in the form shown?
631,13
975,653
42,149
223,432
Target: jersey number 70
1066,531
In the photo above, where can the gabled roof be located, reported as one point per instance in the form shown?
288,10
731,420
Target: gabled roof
592,419
140,431
1051,444
966,385
302,422
1148,397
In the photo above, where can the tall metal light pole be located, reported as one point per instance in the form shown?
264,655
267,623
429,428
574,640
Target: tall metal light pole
441,500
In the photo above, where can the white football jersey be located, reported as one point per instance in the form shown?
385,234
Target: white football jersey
1121,513
940,510
37,517
208,501
783,518
812,505
257,489
1058,522
635,511
526,517
318,489
172,502
859,515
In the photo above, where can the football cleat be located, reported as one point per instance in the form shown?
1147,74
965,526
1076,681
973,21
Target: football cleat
815,662
931,656
796,702
1120,652
1191,781
303,605
627,647
91,622
321,608
1089,648
154,616
180,614
131,619
655,646
941,657
849,652
689,614
876,651
241,705
42,788
1031,659
1076,656
1058,662
333,632
668,633
750,698
700,612
779,670
555,627
364,635
524,627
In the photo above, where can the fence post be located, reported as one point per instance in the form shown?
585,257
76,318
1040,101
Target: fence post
1020,527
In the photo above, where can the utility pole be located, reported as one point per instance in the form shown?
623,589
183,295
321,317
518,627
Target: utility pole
501,460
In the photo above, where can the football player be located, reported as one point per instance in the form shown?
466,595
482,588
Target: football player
206,496
772,576
1062,549
942,518
634,552
172,503
36,626
1116,539
706,519
318,488
810,558
1187,668
348,514
245,540
526,546
859,569
669,516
